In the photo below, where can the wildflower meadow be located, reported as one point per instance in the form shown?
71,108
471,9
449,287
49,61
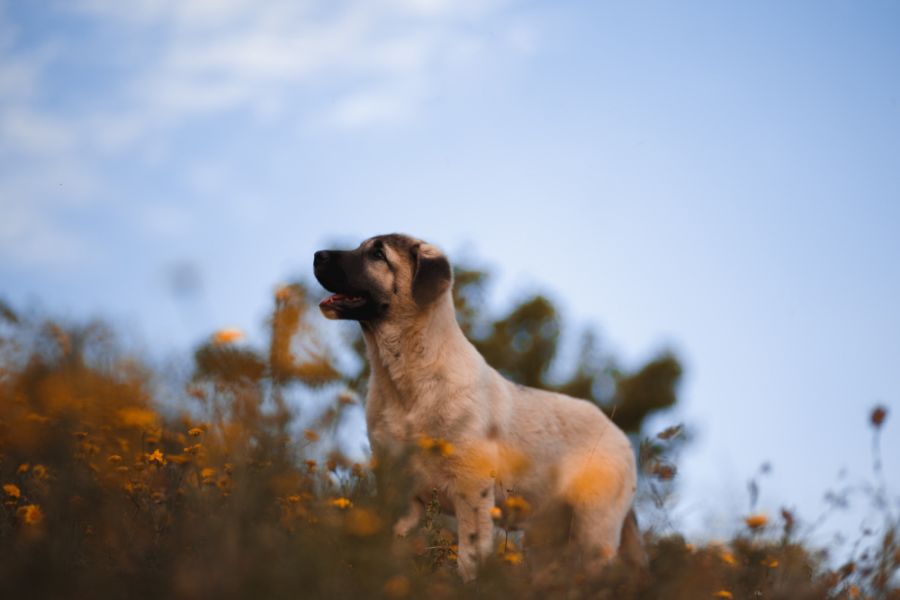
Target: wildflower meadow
227,477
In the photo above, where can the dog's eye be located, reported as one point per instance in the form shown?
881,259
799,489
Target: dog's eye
379,255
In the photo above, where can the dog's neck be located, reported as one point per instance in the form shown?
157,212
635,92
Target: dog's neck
407,355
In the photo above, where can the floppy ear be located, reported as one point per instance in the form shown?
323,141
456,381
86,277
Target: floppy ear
431,274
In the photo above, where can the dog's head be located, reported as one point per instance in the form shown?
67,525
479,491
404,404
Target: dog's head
386,276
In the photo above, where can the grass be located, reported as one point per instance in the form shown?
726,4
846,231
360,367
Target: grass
110,492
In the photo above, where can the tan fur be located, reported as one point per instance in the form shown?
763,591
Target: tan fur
428,382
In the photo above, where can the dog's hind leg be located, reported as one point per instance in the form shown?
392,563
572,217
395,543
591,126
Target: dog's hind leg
598,532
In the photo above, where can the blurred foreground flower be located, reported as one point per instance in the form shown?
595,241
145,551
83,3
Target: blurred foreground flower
397,587
724,594
362,522
517,504
138,417
879,413
227,335
341,502
156,457
31,514
12,490
756,521
436,445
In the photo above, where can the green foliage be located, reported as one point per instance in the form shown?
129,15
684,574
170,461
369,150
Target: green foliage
522,344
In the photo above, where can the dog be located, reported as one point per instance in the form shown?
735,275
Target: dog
487,439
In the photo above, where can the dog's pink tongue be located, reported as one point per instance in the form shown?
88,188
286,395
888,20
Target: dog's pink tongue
336,298
331,299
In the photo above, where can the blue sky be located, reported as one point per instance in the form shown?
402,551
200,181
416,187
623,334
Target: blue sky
719,178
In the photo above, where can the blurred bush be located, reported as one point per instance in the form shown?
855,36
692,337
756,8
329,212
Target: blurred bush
106,493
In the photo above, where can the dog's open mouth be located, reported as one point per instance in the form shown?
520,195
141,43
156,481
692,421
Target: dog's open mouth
342,301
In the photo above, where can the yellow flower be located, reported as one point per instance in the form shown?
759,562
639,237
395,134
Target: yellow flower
341,502
31,514
728,557
772,564
496,513
517,504
179,459
207,472
294,499
513,558
311,435
156,457
195,432
12,490
756,521
227,336
137,417
436,445
362,522
723,594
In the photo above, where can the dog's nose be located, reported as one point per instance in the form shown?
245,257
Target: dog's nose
320,257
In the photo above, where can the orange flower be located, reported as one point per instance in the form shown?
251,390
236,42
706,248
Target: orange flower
156,457
31,514
362,522
341,503
12,490
195,432
724,594
517,504
138,417
496,513
513,558
436,445
756,521
23,468
728,557
228,335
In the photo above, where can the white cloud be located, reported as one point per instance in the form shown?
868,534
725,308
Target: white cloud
353,63
386,105
29,132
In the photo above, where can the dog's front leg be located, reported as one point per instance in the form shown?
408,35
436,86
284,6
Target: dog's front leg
407,522
475,526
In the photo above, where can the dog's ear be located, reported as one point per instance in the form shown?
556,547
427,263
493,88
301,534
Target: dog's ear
431,274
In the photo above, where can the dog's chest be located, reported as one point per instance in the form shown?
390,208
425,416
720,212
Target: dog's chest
396,422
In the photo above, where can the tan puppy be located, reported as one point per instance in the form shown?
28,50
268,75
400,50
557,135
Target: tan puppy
488,437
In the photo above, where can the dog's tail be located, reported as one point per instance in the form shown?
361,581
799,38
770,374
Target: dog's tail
631,547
